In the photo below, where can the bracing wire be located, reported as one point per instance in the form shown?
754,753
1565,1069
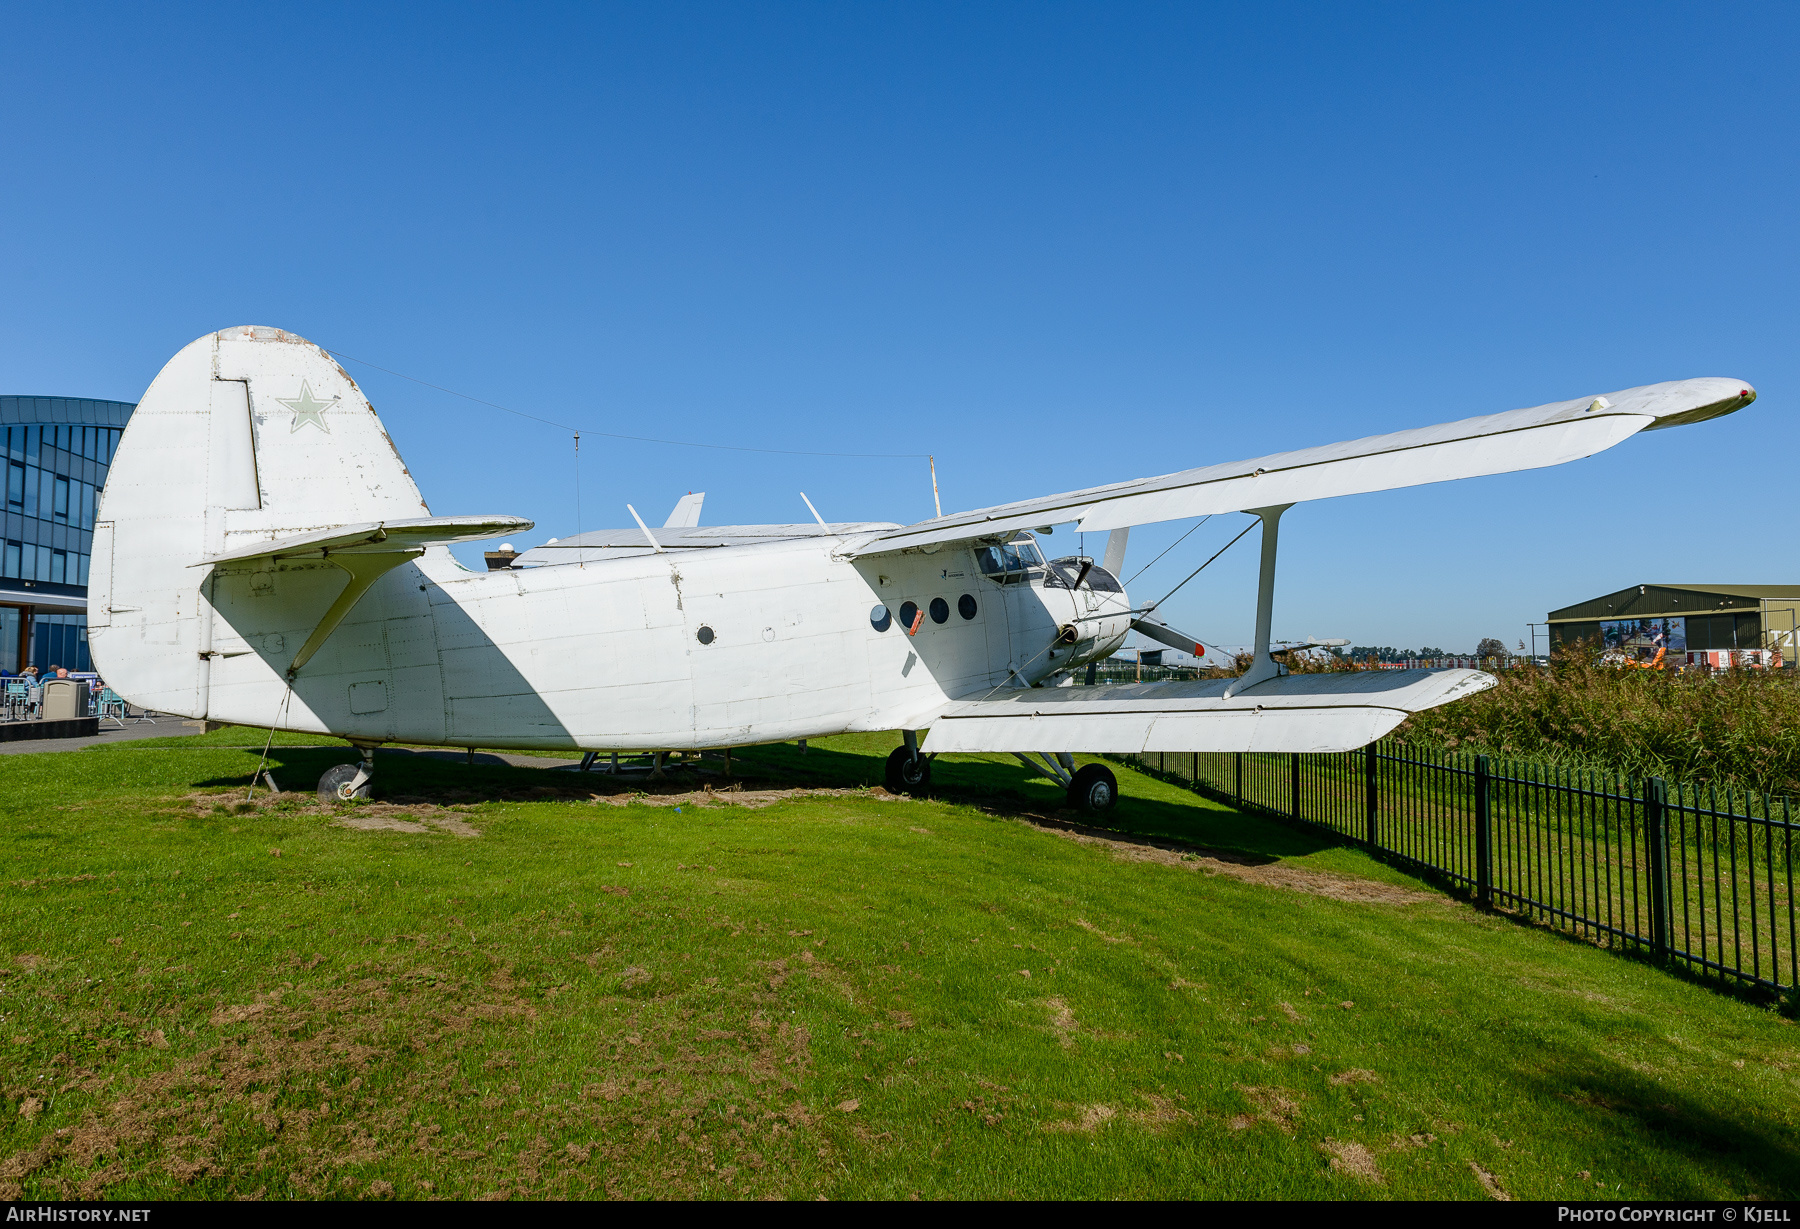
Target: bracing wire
1171,546
613,435
580,555
1172,592
262,764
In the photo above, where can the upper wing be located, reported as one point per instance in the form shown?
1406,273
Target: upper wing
376,538
1494,444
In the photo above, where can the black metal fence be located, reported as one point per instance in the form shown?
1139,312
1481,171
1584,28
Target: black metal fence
1696,876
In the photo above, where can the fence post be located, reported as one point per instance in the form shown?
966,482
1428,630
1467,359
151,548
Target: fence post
1656,833
1237,786
1294,784
1484,844
1372,799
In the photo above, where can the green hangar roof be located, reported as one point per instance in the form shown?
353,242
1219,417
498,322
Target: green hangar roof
1661,600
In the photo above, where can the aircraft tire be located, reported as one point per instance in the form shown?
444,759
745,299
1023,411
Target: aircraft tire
334,786
1094,791
906,775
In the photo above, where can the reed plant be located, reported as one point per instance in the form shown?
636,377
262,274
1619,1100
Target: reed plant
1738,727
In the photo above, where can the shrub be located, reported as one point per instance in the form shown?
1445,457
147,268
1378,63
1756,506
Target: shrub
1741,727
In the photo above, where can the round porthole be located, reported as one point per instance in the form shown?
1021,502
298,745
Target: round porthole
704,635
908,613
880,619
965,605
940,610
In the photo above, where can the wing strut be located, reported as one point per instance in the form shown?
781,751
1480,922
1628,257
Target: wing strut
364,571
1262,666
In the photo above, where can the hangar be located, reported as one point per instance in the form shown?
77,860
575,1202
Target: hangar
1683,617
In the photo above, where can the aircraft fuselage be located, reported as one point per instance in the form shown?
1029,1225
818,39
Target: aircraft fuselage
703,648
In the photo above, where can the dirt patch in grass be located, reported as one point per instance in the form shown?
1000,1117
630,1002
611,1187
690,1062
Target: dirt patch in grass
364,816
1266,872
1348,1157
378,818
1272,1105
736,795
1489,1183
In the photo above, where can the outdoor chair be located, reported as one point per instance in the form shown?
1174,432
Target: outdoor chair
112,705
18,701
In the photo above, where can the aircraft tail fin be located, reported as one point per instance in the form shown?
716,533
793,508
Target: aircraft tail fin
687,511
247,435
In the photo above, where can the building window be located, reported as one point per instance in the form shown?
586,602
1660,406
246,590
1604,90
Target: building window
60,507
59,567
11,566
15,485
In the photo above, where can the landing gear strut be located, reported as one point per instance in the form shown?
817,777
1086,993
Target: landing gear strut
349,782
908,772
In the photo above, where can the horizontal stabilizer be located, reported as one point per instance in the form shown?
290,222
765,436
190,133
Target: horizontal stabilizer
1492,444
1296,712
375,538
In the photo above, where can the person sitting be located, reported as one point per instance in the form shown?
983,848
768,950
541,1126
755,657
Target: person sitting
59,671
29,674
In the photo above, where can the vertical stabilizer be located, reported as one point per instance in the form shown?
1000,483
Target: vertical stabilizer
687,511
248,434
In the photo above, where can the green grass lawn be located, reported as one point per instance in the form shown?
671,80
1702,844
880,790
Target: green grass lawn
515,989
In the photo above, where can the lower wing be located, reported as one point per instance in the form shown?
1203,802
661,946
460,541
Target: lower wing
1296,712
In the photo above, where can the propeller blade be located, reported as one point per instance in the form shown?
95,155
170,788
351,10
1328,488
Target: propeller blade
1153,627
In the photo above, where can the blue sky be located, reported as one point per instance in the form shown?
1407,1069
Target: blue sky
1053,244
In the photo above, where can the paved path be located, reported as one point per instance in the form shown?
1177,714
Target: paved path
165,727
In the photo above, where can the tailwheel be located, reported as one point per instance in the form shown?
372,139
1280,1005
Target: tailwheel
908,772
349,782
1094,791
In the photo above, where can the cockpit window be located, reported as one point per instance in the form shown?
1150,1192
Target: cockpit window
1078,571
1010,563
1102,581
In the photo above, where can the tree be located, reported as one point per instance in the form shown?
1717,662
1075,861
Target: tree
1490,647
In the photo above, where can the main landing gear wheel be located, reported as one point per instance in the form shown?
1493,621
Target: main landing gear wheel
907,772
341,784
1094,791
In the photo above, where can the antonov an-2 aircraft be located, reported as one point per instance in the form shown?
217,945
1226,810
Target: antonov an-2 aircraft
262,557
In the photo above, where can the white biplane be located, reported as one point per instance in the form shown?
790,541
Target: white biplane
262,557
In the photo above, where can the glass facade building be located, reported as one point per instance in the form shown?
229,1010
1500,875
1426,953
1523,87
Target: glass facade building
57,453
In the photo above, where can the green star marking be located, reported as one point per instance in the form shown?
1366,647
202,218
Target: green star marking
308,409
